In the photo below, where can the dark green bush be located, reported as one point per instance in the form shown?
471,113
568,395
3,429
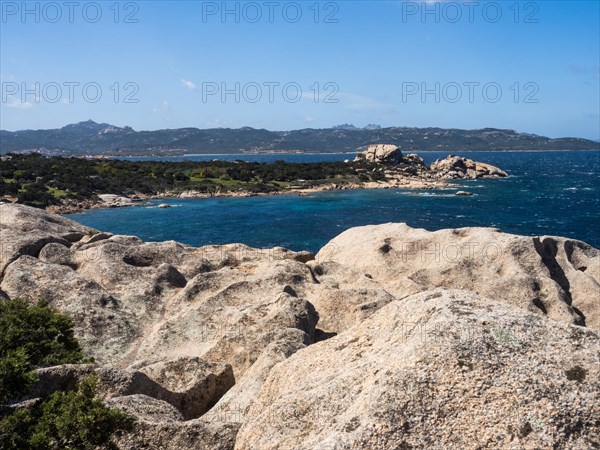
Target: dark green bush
46,335
378,176
32,336
75,420
16,376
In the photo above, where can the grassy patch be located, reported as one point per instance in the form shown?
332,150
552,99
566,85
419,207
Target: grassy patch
57,193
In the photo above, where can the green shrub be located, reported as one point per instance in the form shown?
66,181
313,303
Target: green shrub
16,376
65,420
34,335
378,176
46,335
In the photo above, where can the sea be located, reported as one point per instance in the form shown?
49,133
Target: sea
547,193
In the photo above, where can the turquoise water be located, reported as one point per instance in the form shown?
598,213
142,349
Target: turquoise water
548,193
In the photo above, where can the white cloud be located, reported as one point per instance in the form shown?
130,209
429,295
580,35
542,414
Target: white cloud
7,77
348,100
311,96
309,119
356,102
215,123
326,93
189,85
164,107
583,70
19,104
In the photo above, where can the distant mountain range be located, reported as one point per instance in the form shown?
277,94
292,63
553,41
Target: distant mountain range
91,138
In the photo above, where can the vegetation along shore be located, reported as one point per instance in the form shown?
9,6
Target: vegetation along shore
66,185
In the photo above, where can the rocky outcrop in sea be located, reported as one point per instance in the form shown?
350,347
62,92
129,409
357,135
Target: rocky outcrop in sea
450,168
456,167
388,337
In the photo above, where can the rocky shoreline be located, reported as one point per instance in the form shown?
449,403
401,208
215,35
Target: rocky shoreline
77,206
401,172
388,337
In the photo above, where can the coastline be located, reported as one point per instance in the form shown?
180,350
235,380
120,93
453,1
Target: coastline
70,206
381,166
183,155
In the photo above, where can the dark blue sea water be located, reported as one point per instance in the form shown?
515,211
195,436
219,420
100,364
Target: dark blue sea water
548,193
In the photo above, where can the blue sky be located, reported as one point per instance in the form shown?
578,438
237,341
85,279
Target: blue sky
159,65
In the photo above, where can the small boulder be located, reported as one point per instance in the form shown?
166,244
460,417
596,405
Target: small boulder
116,200
55,253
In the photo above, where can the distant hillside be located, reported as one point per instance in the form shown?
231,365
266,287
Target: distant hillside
89,138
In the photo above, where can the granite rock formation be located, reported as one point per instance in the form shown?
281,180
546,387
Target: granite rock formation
389,337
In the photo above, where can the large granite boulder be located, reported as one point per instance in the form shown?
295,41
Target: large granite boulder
145,408
412,166
115,200
381,154
440,369
457,167
553,276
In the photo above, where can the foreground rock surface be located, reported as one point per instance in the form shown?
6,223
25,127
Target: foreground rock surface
549,275
191,386
134,302
194,434
441,369
186,339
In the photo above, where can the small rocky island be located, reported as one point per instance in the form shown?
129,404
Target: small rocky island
389,337
400,168
68,185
